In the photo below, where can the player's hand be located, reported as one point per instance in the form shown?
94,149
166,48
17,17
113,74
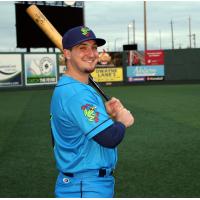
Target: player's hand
125,117
113,106
117,111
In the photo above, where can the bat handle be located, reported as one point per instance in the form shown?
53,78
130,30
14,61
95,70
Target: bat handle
107,98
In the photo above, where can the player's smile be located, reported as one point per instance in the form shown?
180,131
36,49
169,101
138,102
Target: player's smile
90,62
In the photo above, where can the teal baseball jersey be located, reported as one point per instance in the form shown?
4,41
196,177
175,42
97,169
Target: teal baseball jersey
78,114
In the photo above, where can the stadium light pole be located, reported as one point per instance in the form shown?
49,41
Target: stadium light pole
133,31
145,27
194,39
116,43
160,39
172,34
128,33
190,35
129,26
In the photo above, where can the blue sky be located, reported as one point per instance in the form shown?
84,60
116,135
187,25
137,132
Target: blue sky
110,19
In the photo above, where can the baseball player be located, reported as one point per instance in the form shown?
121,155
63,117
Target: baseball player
86,130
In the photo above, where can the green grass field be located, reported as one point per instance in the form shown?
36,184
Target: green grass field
159,157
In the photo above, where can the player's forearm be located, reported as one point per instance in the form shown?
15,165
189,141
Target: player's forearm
111,136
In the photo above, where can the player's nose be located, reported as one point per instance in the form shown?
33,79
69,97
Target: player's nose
92,52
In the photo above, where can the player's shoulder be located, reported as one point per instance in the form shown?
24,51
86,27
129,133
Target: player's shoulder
70,87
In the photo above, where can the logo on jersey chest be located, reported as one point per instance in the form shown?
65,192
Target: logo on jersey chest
90,112
66,180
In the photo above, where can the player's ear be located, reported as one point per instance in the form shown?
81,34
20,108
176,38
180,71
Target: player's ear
67,53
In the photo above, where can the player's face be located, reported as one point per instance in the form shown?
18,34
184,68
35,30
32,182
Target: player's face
85,56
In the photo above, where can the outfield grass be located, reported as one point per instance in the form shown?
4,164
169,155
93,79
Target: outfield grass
159,156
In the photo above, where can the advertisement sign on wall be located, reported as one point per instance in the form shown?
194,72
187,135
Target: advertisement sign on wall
154,57
10,70
145,73
135,58
109,67
62,65
113,74
146,66
40,69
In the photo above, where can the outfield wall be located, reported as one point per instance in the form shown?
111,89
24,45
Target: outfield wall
182,64
29,69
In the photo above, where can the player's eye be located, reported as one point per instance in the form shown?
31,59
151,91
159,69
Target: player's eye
83,47
95,47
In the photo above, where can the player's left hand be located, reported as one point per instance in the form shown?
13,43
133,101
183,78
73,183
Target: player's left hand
113,106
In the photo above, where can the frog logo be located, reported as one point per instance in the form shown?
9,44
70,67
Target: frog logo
90,112
85,31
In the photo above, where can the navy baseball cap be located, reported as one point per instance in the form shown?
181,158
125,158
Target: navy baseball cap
78,35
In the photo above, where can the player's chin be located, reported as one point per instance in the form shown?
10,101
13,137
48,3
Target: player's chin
89,70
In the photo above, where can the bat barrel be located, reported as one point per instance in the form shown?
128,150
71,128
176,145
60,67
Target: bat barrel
44,24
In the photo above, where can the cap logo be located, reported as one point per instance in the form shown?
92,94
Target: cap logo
85,31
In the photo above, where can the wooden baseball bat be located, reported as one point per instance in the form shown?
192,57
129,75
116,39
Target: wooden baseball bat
46,26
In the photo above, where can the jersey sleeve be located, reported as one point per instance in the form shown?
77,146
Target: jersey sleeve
87,111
